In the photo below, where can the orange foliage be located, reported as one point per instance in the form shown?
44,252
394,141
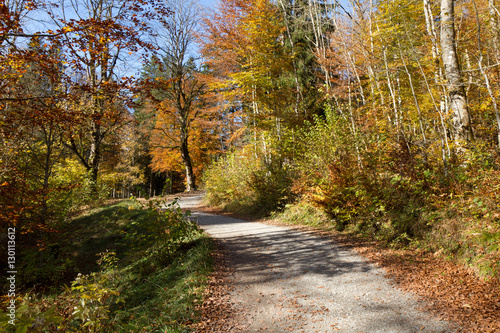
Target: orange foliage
242,50
203,137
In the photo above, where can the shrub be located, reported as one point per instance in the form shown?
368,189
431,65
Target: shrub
303,213
172,251
244,183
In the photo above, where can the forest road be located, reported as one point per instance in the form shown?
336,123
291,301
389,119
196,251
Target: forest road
287,280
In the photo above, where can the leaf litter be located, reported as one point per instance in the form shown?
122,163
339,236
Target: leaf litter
452,291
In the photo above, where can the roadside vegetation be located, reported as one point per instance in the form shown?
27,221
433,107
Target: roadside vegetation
379,119
129,266
395,199
354,118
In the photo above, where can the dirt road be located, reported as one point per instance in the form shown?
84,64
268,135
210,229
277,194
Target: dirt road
292,281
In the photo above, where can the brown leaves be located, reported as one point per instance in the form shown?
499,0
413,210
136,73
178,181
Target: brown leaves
217,313
453,292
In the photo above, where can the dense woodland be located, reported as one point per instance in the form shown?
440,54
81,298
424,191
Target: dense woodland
377,117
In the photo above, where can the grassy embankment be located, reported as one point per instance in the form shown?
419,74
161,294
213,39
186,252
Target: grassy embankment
127,267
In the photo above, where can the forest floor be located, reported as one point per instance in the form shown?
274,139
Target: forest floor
277,278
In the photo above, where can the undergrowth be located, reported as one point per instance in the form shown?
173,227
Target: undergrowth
139,268
374,185
248,184
455,230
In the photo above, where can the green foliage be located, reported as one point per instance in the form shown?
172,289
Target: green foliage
245,183
329,167
166,222
226,181
30,317
272,187
92,295
151,267
303,213
80,190
164,297
43,266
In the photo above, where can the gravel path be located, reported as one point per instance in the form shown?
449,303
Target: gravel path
293,281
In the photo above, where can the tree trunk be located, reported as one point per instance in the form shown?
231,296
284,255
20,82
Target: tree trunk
46,177
494,27
480,62
151,184
456,91
186,159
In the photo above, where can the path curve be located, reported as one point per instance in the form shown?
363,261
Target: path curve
293,281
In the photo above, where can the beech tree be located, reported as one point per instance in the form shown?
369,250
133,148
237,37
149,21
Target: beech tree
30,118
64,84
94,47
243,51
179,87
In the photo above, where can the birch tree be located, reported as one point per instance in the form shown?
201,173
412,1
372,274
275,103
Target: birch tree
454,84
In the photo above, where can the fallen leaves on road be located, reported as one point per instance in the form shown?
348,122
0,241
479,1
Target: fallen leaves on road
217,312
453,292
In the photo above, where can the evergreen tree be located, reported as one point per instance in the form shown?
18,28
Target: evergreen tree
308,24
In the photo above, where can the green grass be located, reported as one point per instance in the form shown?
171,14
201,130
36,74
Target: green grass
161,298
148,280
302,213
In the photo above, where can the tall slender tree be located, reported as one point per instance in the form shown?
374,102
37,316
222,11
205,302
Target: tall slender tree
456,90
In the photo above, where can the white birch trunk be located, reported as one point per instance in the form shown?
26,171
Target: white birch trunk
454,84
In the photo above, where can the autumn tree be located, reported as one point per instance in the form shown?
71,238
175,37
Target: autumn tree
242,44
64,82
30,117
95,37
242,51
178,97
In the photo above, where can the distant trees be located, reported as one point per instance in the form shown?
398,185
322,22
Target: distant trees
371,102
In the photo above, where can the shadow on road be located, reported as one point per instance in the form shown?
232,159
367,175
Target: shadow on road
288,279
273,252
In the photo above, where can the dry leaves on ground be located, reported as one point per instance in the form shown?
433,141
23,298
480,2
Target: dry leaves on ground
217,312
452,291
